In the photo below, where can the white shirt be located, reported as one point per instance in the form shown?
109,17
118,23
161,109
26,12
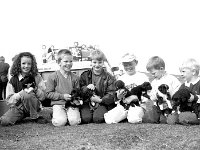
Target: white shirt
133,80
168,79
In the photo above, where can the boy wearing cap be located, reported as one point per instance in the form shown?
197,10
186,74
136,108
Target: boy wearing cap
131,78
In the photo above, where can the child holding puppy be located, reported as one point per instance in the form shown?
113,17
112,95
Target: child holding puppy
101,82
190,75
156,67
59,86
131,79
24,103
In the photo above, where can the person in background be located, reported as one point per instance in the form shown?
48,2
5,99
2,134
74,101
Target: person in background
156,67
131,78
101,84
4,68
24,103
59,87
190,75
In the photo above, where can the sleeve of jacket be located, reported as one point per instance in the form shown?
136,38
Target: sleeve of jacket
109,97
83,84
76,82
40,93
11,96
50,88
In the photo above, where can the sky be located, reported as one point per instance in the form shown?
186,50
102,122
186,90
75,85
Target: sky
169,29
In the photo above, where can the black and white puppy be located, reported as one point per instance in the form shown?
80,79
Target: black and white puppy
76,100
120,85
28,83
182,103
164,99
87,95
139,91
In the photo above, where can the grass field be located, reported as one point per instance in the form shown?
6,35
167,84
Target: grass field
123,136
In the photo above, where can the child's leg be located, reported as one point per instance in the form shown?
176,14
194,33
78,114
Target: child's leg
188,118
86,114
59,115
172,118
13,115
152,115
73,116
115,115
31,104
135,114
98,114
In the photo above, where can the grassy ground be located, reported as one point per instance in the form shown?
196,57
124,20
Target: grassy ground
29,135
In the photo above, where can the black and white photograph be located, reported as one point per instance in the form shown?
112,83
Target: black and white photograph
100,75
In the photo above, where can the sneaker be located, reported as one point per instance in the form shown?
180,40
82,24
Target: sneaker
41,120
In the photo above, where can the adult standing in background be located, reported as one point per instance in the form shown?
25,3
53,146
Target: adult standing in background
4,67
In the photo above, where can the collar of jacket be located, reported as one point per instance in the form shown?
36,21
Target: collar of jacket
103,74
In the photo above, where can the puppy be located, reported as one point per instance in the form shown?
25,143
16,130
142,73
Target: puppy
28,83
88,94
76,100
139,91
164,99
120,85
181,102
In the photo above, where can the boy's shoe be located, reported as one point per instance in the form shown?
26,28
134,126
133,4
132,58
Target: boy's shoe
41,120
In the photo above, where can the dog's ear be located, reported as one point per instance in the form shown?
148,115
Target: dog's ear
163,88
119,84
166,86
148,86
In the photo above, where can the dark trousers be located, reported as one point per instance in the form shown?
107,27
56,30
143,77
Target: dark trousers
3,90
95,116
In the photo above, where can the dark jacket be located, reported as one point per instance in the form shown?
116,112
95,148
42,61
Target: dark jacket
106,84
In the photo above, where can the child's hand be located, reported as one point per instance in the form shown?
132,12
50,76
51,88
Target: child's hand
198,101
67,97
121,94
191,98
28,90
91,87
96,99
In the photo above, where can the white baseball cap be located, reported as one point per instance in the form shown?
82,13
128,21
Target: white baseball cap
128,58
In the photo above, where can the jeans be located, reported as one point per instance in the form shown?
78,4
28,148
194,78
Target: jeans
27,106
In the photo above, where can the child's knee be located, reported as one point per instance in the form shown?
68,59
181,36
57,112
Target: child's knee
74,117
59,121
98,119
86,118
135,114
59,116
98,115
6,122
115,115
86,115
172,119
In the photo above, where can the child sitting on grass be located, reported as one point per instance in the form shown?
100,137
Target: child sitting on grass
190,75
100,84
131,78
24,103
59,87
156,67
